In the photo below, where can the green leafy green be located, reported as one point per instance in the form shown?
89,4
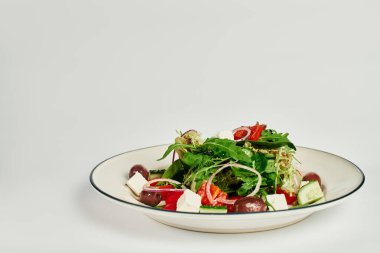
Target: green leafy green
271,155
225,148
260,162
270,139
271,136
195,160
272,176
173,147
175,171
248,179
195,177
270,166
247,186
227,181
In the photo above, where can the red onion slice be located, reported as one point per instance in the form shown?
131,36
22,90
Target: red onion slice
162,180
147,186
243,128
152,189
229,202
226,201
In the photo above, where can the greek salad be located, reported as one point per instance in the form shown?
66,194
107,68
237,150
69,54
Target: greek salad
249,169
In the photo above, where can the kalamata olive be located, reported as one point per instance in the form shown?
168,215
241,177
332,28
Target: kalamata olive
249,205
139,168
150,198
311,176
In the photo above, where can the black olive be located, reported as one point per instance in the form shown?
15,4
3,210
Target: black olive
249,205
311,176
139,168
150,198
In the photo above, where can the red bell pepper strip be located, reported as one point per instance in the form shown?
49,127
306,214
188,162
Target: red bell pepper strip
256,131
170,197
216,192
171,200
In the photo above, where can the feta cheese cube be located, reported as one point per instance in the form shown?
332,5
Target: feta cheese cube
189,202
226,134
303,183
278,201
136,183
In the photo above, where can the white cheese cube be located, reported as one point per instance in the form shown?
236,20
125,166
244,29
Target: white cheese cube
189,202
226,134
136,183
278,201
303,183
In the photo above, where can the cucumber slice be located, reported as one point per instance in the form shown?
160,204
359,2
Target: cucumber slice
309,193
213,209
153,174
321,200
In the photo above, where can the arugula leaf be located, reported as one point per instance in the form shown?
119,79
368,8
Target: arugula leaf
248,178
175,171
260,161
200,175
244,189
173,147
247,151
270,166
242,173
270,139
247,186
225,148
227,181
272,145
195,160
271,136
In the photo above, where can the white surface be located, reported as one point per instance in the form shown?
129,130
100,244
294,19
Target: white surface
340,177
81,81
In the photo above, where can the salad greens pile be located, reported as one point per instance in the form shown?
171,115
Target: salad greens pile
271,154
249,169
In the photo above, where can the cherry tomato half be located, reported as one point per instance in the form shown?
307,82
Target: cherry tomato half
290,197
240,134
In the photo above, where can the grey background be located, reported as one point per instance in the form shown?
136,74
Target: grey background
81,81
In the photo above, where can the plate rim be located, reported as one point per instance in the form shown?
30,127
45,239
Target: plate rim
293,210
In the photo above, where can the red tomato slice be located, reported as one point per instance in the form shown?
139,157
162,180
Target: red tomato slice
290,197
239,134
164,195
216,192
171,200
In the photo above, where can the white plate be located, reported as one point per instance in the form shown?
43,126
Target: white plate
340,177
